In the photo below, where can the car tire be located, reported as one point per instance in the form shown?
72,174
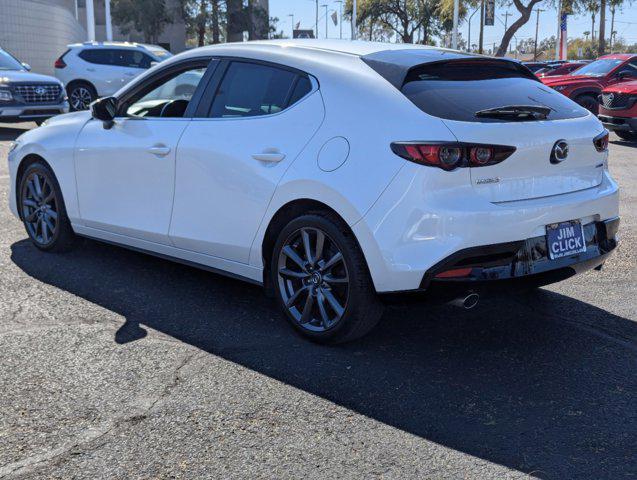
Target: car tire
80,94
589,102
339,293
43,211
628,136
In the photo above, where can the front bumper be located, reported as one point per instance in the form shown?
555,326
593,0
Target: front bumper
16,113
623,124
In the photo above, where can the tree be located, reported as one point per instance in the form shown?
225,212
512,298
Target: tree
204,17
602,27
525,15
149,17
404,17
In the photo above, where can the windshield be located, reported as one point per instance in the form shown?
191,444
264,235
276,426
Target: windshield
7,62
598,68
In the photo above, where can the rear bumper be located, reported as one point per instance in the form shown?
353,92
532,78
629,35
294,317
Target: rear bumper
31,112
624,124
511,267
414,228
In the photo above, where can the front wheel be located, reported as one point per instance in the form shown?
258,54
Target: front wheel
629,136
321,280
81,95
589,102
43,211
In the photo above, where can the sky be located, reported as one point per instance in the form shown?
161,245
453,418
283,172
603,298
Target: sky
304,11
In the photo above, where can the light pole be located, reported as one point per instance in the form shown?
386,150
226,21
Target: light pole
109,25
340,19
326,19
292,15
469,35
537,26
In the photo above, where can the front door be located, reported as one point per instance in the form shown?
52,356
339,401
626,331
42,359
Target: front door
126,174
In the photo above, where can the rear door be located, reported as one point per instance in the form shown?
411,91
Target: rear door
257,118
456,90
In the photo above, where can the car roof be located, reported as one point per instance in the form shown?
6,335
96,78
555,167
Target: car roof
618,56
348,47
131,45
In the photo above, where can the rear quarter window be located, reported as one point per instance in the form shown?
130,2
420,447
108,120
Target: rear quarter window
456,90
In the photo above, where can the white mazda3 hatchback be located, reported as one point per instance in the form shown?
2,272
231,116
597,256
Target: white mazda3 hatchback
332,173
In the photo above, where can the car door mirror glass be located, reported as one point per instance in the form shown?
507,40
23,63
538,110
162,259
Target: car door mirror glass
105,110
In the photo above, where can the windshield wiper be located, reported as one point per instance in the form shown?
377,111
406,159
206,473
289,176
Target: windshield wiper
516,112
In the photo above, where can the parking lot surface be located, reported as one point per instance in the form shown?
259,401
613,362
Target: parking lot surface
114,364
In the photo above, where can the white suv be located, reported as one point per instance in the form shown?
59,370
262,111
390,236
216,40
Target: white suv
91,70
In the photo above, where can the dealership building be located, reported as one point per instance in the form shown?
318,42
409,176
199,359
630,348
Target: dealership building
38,31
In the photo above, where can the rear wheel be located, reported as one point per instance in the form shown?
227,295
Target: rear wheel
630,136
43,211
589,102
321,280
81,95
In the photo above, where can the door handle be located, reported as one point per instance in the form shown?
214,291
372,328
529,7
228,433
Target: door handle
159,150
269,157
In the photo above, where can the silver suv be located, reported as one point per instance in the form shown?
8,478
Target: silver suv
26,96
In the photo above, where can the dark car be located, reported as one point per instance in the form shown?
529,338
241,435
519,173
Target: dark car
554,69
26,96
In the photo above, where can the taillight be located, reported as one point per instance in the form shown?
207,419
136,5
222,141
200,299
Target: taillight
59,63
601,141
450,156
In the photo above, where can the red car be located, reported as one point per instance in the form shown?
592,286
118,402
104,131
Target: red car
552,70
586,83
618,109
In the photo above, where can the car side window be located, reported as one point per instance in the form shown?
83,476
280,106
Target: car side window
629,68
253,89
132,59
99,56
168,97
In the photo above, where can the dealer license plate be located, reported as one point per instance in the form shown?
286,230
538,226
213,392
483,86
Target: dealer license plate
565,239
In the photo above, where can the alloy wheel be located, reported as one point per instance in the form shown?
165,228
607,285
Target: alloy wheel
313,280
40,208
81,98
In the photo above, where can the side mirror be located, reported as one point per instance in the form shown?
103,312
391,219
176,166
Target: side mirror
26,66
153,63
104,109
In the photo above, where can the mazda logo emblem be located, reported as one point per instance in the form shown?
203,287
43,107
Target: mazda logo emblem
559,152
610,97
40,90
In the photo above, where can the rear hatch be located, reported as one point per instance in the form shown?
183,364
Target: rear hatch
456,90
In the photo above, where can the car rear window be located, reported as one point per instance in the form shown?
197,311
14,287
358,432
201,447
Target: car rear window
457,89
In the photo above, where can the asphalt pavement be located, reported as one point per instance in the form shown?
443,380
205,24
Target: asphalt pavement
114,364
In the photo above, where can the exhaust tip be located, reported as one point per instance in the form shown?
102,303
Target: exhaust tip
468,301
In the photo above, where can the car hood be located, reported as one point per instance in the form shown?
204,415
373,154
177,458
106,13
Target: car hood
627,87
567,80
9,76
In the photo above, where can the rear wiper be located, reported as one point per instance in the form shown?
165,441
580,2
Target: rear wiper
516,112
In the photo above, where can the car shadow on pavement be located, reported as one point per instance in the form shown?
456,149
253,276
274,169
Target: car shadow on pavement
543,384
